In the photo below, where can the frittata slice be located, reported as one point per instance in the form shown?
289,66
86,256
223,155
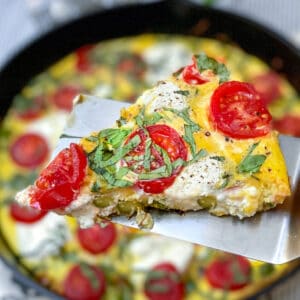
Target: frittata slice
194,141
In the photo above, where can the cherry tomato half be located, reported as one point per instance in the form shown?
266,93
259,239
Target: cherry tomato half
83,63
191,74
288,125
63,98
60,181
29,150
33,108
84,282
164,282
169,140
97,239
238,111
25,214
268,85
230,273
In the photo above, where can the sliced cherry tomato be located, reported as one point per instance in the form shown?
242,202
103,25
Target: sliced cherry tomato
164,282
84,282
59,183
191,74
166,138
63,98
231,272
82,54
288,125
97,239
268,85
25,214
29,109
239,112
29,150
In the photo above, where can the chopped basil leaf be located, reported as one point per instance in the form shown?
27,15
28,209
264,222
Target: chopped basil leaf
201,153
109,177
114,136
147,154
178,163
135,141
122,172
218,158
182,92
92,139
158,288
90,275
152,119
208,63
184,114
167,161
189,138
152,175
251,163
69,136
140,117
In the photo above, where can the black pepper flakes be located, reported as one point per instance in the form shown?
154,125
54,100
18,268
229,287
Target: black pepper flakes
207,133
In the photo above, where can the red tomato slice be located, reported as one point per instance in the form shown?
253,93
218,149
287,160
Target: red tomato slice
169,140
288,125
33,110
29,150
164,284
238,111
63,98
191,74
97,239
268,85
84,283
82,54
25,214
229,273
59,183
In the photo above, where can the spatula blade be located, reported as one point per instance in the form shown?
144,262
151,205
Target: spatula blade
272,236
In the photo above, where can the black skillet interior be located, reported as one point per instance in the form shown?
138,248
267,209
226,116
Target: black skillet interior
174,16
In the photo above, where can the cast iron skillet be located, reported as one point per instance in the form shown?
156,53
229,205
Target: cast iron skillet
173,16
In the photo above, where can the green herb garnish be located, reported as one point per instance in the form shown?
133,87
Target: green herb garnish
251,163
182,92
90,274
208,63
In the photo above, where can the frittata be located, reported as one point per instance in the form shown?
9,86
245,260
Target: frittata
194,141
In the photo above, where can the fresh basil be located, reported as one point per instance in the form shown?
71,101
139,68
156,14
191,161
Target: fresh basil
114,136
208,63
90,275
251,163
200,154
218,158
147,155
120,152
189,138
182,92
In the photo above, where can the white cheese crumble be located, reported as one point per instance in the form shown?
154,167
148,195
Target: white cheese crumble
165,94
242,201
23,197
164,59
150,250
42,238
198,179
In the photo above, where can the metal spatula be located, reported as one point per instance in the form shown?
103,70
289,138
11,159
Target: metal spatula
272,236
